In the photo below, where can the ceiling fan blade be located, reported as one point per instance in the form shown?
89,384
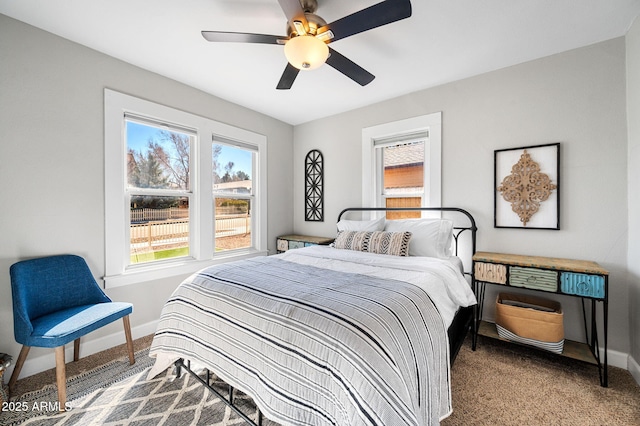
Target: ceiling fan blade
294,12
288,77
374,16
349,68
224,36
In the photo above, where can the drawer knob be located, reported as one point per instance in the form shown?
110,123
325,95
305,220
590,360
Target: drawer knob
531,280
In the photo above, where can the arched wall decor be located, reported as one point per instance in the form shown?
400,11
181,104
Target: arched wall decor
314,187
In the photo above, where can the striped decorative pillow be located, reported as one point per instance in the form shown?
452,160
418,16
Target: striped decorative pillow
393,243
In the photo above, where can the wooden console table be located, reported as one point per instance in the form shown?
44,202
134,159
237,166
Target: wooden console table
578,278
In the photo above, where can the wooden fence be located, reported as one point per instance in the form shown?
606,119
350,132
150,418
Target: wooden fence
160,232
175,232
144,215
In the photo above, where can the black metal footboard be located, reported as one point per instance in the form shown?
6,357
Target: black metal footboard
180,364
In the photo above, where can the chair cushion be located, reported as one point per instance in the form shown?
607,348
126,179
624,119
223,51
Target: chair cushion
61,327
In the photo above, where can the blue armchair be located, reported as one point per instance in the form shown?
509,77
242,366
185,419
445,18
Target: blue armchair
56,300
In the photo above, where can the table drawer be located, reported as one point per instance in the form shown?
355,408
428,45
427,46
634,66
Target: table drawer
582,284
490,273
282,245
295,244
536,279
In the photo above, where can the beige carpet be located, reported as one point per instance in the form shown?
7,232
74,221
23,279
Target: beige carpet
506,384
499,384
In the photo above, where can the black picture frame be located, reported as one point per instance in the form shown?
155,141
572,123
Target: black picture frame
518,187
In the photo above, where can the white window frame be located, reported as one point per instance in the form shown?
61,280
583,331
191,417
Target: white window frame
372,169
118,272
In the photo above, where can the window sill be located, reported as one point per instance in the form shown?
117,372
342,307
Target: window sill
175,268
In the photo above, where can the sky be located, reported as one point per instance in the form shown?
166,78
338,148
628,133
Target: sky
138,135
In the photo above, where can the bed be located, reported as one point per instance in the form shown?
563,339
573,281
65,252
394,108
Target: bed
362,332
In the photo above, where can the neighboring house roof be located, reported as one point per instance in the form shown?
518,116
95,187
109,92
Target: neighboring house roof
239,186
404,155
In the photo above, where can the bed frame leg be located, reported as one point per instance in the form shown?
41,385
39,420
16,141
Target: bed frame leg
178,368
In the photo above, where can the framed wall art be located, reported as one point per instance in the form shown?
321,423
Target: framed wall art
527,187
314,187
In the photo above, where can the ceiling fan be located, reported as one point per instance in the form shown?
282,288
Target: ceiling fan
308,35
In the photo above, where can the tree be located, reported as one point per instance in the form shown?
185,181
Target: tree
145,171
174,157
240,175
217,149
231,176
228,176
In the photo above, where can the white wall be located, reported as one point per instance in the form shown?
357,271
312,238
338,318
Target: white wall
633,257
576,98
52,163
51,160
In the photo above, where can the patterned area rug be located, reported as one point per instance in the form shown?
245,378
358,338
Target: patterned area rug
120,394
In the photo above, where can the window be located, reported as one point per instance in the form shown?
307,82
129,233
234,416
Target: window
233,194
181,191
158,189
402,164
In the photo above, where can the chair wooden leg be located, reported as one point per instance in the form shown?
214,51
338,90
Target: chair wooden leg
127,333
61,377
76,349
19,363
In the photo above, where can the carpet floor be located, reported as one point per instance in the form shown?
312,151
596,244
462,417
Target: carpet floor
506,384
499,384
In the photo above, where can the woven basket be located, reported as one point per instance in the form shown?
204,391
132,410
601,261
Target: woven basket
544,330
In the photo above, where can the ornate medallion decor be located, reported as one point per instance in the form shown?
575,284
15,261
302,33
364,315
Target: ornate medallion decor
314,187
527,187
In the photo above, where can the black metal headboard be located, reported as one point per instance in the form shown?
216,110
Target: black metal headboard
458,229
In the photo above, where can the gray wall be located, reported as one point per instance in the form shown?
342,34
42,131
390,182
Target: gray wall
576,98
633,120
52,161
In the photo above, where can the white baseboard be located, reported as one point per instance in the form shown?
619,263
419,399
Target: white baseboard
634,369
45,362
616,358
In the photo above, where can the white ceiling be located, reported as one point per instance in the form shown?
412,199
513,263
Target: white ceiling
443,41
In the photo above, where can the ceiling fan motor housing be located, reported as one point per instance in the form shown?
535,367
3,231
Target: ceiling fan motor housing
309,6
314,22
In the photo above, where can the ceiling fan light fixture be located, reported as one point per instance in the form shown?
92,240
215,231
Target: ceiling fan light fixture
306,52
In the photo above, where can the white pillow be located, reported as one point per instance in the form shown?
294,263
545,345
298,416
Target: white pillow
362,225
430,237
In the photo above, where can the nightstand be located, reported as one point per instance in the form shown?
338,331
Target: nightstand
288,242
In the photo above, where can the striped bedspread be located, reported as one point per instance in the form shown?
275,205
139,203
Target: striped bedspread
313,346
